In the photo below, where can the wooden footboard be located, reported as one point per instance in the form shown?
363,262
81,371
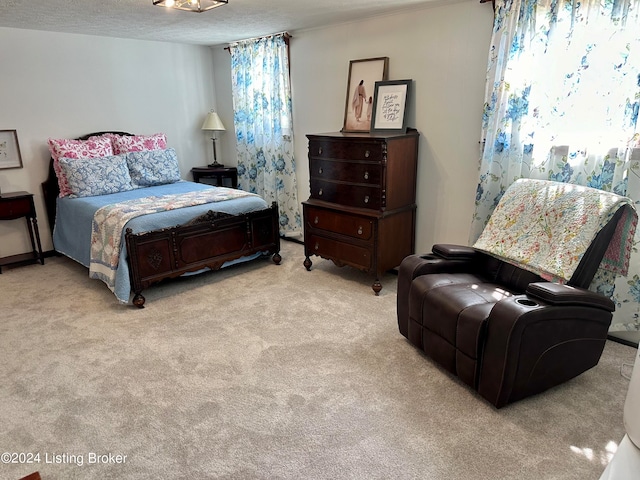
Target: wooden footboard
207,241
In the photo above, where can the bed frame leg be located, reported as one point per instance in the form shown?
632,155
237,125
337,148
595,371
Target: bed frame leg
276,258
138,300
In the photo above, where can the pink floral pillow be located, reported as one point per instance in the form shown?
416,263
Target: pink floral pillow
64,148
138,143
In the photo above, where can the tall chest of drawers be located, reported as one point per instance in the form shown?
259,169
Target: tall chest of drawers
362,208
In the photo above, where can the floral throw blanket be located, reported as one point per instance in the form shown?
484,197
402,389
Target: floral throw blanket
109,221
546,227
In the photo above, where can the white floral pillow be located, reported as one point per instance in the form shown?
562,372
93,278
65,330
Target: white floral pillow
137,143
88,177
153,167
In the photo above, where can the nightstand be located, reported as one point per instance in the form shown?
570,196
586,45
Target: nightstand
222,176
15,205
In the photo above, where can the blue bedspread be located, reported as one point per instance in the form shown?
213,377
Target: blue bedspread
74,217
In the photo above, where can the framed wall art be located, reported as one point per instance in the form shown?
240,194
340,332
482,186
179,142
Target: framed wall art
363,74
9,150
390,106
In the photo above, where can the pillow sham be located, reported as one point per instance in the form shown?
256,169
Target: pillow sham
89,177
153,167
138,143
65,148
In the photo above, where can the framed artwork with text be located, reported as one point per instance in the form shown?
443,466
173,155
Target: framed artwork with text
390,106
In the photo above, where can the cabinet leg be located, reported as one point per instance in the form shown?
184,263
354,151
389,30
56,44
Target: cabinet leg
276,258
39,245
377,286
138,300
307,263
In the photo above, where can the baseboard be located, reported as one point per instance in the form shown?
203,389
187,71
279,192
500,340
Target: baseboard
631,339
292,239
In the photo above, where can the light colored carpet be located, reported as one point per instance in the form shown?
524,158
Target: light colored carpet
267,372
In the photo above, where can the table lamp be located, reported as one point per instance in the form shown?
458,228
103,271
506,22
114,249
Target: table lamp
213,123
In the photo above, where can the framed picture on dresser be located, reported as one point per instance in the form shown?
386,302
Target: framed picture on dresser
363,74
390,106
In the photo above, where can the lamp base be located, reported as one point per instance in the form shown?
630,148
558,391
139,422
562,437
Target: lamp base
215,164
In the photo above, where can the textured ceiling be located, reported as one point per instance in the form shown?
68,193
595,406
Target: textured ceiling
240,19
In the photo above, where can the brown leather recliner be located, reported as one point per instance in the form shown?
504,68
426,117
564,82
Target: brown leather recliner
502,329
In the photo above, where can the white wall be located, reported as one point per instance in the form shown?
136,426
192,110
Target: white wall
224,102
444,49
63,86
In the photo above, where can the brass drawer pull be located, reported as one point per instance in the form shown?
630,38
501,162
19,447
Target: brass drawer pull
366,154
320,192
366,199
316,220
360,230
320,151
317,246
366,175
320,170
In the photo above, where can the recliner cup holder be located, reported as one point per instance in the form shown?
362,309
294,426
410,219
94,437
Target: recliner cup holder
526,302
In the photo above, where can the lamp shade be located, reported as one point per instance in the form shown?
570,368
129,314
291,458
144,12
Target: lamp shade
212,122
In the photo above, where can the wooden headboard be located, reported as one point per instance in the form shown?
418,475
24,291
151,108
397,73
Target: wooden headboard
50,188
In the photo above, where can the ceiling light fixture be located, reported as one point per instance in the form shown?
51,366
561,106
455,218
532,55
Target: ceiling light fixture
197,6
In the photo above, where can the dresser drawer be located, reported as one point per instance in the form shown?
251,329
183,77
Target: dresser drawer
337,222
358,196
341,171
341,252
346,149
15,208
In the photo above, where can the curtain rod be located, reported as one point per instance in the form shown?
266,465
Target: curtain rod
286,36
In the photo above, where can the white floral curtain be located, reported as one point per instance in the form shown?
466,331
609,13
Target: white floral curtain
261,91
561,103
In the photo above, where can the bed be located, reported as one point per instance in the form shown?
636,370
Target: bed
168,229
